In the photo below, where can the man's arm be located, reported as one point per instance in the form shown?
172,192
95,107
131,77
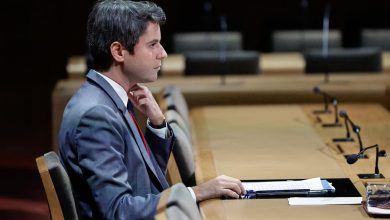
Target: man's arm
221,186
161,147
143,100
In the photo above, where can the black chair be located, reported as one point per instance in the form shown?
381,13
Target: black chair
296,41
344,60
216,63
57,186
206,41
376,38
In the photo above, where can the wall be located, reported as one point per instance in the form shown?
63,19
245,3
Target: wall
38,36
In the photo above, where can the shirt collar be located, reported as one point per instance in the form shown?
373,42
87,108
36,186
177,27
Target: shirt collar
118,88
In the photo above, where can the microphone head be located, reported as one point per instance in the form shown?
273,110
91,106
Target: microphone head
356,129
334,101
351,159
343,114
316,89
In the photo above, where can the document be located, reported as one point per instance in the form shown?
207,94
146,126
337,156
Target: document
325,200
314,191
312,185
376,210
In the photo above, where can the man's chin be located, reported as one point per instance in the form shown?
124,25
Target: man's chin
150,79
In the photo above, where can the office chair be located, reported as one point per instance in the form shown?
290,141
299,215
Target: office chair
218,63
344,60
172,116
171,98
182,151
297,41
176,203
57,186
206,41
376,38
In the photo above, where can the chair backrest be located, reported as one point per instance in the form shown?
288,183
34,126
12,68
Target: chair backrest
176,203
173,116
216,63
344,60
376,38
57,186
296,40
182,151
174,100
206,41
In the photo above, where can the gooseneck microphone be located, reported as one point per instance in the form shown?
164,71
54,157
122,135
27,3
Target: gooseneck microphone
348,136
355,128
326,98
336,115
354,157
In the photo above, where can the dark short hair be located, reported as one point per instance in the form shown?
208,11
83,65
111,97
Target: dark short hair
118,20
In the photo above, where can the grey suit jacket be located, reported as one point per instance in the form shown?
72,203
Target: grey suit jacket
112,175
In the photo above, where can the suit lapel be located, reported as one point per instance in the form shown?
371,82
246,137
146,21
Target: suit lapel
140,143
92,75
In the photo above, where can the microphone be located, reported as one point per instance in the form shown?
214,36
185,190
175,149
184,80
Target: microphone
348,138
354,157
355,128
326,97
336,115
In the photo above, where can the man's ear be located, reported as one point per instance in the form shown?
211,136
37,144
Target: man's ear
117,52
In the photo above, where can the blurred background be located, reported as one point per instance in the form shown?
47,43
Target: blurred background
38,37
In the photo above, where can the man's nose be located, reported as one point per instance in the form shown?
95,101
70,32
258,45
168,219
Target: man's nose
163,54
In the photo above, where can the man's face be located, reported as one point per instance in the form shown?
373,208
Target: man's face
142,66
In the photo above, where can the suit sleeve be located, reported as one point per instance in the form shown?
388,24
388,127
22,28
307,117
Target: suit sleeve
100,148
161,147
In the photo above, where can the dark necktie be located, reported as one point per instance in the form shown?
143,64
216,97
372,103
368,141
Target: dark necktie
130,109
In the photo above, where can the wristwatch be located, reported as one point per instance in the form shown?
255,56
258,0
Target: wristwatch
162,125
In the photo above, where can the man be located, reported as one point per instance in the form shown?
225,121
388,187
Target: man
116,171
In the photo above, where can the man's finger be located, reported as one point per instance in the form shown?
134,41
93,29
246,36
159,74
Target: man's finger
229,193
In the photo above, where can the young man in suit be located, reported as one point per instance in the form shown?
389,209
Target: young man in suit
117,172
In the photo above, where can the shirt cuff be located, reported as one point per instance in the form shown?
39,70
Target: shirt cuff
192,193
162,132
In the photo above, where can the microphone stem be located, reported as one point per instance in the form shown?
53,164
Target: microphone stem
336,112
326,103
360,141
376,160
347,127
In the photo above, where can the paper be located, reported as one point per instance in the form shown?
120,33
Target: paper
376,210
313,184
324,200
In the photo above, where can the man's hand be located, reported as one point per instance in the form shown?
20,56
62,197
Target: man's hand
143,100
219,187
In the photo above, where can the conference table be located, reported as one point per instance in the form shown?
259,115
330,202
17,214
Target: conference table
291,63
239,90
252,142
